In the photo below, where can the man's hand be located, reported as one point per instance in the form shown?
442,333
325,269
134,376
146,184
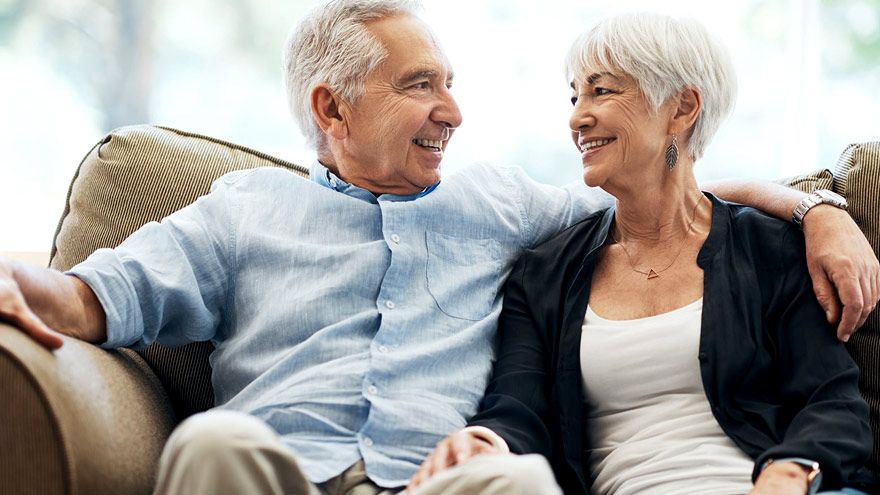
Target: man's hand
453,450
839,257
782,478
15,310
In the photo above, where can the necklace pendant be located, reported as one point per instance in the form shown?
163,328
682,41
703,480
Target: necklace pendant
652,274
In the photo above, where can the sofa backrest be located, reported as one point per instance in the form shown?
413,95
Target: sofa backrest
857,178
136,175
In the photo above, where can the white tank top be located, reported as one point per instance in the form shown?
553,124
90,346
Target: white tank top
649,426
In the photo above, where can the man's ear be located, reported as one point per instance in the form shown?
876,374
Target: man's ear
327,111
689,103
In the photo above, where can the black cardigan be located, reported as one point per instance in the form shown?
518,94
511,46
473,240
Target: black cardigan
778,381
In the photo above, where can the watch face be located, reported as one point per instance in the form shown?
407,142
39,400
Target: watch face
832,197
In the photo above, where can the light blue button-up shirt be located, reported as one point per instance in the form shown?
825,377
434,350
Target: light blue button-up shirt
356,326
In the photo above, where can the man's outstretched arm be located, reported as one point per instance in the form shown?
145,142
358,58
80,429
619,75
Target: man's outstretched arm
838,255
43,303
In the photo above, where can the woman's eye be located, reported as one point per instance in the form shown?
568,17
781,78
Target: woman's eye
421,85
599,91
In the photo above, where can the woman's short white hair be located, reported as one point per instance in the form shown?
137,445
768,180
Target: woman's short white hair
664,55
332,45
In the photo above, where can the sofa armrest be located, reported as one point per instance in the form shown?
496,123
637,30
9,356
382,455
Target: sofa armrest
80,420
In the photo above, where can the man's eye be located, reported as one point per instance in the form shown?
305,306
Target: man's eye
421,85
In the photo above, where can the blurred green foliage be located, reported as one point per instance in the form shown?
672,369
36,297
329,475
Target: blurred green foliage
850,36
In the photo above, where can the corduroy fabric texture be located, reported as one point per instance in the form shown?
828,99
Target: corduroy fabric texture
819,179
83,420
857,178
140,174
31,462
78,421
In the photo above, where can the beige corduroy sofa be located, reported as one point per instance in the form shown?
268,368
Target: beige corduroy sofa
90,422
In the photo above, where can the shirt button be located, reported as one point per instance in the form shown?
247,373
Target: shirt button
389,304
372,390
383,349
368,441
395,238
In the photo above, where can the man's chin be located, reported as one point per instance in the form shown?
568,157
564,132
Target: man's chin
593,179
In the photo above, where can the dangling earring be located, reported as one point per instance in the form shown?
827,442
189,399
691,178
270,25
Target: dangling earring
672,153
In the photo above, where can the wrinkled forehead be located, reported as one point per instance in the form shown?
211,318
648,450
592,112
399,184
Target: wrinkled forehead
409,42
437,54
440,53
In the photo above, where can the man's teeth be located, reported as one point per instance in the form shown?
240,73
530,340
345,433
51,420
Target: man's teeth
595,144
436,145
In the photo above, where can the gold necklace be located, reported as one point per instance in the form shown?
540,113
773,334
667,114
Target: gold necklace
651,273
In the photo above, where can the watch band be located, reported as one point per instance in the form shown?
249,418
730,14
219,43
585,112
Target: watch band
814,476
819,197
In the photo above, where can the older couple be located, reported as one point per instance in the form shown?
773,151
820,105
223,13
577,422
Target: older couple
354,313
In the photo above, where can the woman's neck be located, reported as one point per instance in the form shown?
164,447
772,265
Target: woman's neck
657,214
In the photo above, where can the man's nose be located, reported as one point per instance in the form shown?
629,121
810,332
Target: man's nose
447,112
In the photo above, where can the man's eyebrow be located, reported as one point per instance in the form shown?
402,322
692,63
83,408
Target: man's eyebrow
416,75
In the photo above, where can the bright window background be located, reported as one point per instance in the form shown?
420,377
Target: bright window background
70,70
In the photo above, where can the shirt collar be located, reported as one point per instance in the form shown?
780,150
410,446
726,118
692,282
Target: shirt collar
322,175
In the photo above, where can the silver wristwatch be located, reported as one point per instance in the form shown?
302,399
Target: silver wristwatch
819,197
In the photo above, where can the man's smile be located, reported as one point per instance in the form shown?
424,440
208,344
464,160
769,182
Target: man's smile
431,144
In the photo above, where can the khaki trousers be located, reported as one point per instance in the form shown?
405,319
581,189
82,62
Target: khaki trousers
225,452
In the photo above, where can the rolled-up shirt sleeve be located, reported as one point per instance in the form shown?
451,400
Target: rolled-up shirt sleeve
170,281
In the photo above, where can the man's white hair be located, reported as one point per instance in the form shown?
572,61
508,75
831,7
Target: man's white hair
664,55
332,45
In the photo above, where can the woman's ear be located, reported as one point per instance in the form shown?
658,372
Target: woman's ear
327,111
689,105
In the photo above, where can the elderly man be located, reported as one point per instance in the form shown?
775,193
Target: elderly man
347,396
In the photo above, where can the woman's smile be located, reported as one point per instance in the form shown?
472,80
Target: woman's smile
589,148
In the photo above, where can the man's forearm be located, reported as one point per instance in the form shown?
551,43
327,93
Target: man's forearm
63,302
775,199
842,264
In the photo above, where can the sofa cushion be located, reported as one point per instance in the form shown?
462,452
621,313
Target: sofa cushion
819,179
140,174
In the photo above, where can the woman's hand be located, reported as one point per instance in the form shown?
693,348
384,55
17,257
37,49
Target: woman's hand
781,478
453,450
839,257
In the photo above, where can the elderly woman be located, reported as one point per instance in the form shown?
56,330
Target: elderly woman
671,344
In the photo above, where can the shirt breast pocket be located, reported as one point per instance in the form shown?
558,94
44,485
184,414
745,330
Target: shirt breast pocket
463,274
